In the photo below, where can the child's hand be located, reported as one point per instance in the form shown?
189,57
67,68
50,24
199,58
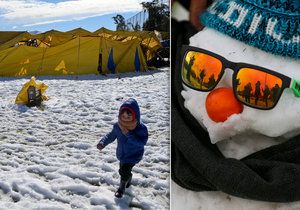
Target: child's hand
100,146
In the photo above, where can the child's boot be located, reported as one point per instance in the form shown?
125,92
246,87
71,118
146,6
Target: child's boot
121,189
129,182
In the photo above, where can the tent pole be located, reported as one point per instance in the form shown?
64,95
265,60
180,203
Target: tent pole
78,53
100,52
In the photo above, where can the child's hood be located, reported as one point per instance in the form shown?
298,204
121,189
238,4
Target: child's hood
133,105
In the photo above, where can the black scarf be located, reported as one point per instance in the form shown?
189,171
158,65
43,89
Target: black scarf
272,174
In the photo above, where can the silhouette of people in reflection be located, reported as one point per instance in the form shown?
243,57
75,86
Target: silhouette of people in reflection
275,92
211,81
266,96
202,75
247,92
189,68
257,91
266,93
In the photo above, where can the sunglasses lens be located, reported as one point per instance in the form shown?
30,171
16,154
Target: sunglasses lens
257,88
201,71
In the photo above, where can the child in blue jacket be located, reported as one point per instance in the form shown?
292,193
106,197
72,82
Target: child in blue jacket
132,135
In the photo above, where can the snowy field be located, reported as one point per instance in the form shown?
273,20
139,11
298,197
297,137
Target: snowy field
48,155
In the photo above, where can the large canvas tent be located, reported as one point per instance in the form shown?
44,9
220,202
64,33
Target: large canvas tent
80,55
77,51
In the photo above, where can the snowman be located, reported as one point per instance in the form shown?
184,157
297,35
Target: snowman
236,108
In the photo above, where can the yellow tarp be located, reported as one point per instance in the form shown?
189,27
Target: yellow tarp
22,97
54,38
8,35
80,55
21,61
50,38
123,55
13,42
148,39
80,32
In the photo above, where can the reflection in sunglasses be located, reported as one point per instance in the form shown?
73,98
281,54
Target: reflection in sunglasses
201,70
257,88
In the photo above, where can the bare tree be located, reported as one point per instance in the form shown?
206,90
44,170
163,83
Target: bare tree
158,16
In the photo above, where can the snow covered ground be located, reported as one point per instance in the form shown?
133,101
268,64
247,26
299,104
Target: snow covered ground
48,155
216,200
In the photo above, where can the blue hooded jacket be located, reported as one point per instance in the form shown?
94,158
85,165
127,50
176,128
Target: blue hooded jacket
130,148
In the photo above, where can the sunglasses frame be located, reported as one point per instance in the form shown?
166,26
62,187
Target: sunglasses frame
287,82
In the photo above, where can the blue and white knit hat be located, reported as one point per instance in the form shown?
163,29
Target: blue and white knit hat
271,25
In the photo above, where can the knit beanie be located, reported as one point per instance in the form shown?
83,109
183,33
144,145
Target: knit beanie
270,25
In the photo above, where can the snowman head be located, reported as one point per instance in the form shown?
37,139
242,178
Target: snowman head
231,87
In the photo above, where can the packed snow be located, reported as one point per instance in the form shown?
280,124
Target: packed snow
48,154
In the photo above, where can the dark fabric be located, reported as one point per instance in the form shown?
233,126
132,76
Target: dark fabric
272,174
125,171
180,34
185,3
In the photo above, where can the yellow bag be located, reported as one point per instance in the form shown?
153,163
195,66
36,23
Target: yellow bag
22,97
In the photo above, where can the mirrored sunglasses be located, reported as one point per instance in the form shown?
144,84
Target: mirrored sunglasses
253,86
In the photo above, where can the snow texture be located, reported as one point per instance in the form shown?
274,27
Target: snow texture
48,155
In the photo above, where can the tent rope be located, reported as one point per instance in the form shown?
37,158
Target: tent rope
43,57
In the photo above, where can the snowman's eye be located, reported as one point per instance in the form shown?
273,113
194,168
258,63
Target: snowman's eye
201,71
257,88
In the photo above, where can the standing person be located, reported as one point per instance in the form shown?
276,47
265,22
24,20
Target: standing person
266,92
132,135
257,91
247,92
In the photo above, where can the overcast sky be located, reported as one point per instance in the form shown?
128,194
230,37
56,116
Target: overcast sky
63,15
